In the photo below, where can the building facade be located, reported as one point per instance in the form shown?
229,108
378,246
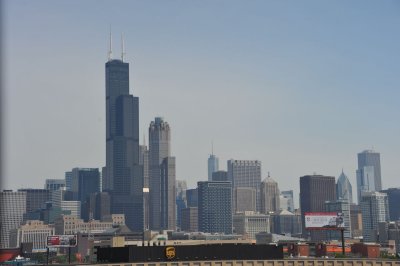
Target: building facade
344,190
189,222
12,209
314,191
35,198
33,231
215,207
220,176
244,199
374,209
192,199
159,149
286,201
246,173
286,223
270,196
340,206
122,175
54,184
394,203
368,172
168,194
249,223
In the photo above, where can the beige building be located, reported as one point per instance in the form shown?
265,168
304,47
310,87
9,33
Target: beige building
248,224
33,231
269,196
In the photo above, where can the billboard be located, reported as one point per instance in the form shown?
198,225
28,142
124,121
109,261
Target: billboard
62,241
324,220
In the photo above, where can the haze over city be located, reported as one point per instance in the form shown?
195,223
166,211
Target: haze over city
301,86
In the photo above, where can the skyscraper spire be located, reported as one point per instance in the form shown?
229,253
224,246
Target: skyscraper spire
110,47
122,47
212,147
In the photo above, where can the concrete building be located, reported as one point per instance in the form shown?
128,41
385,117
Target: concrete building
368,172
213,165
315,190
344,190
122,175
246,173
215,207
244,199
356,220
33,231
12,209
394,203
269,196
189,221
374,209
249,223
159,148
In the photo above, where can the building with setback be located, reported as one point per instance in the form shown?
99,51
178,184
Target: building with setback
12,209
215,207
374,209
344,190
368,172
213,165
269,196
122,175
246,173
159,149
314,191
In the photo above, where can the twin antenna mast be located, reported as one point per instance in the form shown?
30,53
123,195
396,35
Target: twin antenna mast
122,47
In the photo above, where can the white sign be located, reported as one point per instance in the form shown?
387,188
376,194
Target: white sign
324,220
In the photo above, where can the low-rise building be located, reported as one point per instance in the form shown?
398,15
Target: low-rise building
250,223
33,231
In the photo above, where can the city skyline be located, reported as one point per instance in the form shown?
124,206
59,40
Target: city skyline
266,91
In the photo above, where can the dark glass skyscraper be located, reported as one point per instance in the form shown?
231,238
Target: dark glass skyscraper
368,172
123,176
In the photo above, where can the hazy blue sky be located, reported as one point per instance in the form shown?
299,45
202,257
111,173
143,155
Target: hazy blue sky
302,86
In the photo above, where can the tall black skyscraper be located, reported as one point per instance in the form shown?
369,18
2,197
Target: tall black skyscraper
123,176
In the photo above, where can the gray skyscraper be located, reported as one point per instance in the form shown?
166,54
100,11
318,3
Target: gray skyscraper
122,176
368,172
314,191
168,194
85,181
215,207
213,165
374,209
269,196
343,188
393,201
12,209
159,149
286,201
144,162
246,173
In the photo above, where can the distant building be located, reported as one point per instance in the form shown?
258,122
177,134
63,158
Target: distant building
12,209
344,190
97,206
33,231
388,232
72,206
220,176
168,194
215,207
54,184
180,200
68,180
394,203
286,223
189,221
374,209
85,181
213,166
340,206
244,199
368,172
286,201
144,162
246,173
35,198
159,148
250,223
269,196
192,199
356,220
69,224
314,191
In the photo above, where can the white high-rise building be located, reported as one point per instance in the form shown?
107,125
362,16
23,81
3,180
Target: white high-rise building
12,209
374,209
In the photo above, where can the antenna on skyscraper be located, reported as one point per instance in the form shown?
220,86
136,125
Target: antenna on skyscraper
212,147
110,50
122,47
